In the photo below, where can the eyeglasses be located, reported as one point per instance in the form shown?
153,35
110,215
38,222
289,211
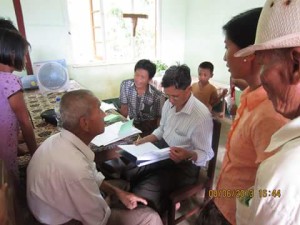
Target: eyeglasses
174,97
179,94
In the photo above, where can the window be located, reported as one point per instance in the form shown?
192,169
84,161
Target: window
113,30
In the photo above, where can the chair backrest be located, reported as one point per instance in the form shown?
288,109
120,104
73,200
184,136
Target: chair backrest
215,146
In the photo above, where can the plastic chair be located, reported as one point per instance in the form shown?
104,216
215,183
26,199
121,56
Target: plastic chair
204,183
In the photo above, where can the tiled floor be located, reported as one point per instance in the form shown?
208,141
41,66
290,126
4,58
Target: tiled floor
226,123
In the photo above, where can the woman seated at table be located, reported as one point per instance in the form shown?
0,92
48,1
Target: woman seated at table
140,100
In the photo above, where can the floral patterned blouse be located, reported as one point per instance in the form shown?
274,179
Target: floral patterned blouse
9,126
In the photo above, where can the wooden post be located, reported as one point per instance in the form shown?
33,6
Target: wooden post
20,21
134,17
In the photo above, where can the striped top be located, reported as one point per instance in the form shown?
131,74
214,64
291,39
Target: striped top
145,107
192,126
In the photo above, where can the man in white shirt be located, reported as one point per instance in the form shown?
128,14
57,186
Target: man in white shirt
62,180
185,122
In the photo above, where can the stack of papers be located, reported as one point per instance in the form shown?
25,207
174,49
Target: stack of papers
115,132
144,154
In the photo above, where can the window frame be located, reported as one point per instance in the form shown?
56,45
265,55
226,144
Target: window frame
103,57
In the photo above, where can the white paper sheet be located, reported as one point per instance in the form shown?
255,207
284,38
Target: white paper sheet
146,151
112,134
106,106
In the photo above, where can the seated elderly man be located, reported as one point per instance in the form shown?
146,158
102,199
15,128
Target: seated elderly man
62,180
276,198
185,123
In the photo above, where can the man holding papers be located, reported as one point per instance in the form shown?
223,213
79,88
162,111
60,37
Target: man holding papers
185,121
144,154
62,181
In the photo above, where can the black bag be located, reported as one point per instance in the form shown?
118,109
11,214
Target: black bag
49,116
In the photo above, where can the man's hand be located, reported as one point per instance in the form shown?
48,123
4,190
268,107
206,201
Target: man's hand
224,93
179,154
130,200
149,138
140,141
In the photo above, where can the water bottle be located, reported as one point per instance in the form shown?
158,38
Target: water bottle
57,112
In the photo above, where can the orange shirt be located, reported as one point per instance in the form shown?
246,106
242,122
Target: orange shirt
250,134
206,94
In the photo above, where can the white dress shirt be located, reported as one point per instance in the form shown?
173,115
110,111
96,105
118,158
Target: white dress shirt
276,190
191,126
63,183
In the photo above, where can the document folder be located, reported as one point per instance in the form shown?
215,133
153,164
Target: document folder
144,154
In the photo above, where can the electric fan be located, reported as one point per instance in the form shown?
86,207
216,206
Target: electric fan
52,77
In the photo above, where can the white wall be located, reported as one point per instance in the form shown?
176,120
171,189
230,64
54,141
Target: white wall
173,31
46,27
204,36
104,80
191,32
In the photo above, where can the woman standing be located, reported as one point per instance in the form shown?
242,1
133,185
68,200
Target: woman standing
14,114
255,122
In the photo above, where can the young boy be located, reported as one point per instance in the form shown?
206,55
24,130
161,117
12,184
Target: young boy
203,90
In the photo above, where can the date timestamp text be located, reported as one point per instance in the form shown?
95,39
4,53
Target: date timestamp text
231,193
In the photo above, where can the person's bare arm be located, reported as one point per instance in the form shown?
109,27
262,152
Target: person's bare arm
124,110
217,98
130,200
178,154
18,106
158,121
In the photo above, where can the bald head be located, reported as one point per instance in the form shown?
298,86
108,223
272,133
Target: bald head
74,105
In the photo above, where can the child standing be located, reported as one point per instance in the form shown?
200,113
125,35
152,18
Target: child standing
203,90
14,114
